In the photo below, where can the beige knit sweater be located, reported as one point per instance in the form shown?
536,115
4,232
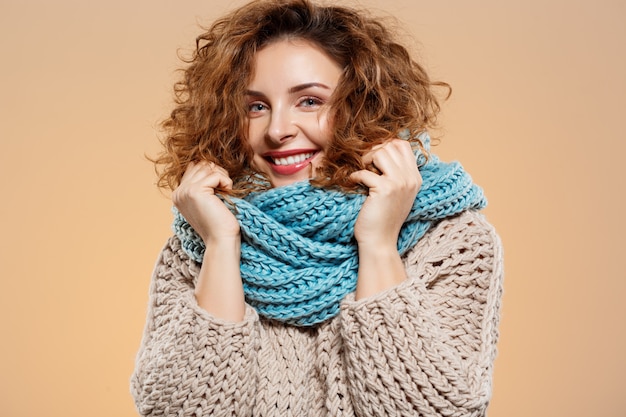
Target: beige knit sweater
423,348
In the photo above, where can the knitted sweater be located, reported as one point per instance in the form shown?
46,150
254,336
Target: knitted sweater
423,348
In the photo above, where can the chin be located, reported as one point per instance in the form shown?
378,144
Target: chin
278,180
281,182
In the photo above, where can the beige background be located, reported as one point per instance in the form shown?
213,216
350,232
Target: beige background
536,117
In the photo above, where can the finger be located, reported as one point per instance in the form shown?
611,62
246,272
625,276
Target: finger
368,157
198,170
389,160
202,177
403,156
192,167
401,151
368,178
224,180
408,152
200,188
397,149
398,173
195,169
210,180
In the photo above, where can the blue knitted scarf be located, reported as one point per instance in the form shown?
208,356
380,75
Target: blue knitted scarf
299,258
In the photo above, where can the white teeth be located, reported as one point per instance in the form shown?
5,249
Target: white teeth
294,159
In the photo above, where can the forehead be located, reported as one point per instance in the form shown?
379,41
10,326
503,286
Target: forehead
293,61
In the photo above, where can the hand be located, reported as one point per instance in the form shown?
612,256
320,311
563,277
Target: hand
219,289
196,200
391,193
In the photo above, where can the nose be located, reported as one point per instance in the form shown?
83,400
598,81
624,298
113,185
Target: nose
282,126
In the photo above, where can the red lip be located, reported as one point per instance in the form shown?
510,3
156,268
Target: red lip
290,152
287,170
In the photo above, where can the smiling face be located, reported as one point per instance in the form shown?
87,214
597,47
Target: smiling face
288,127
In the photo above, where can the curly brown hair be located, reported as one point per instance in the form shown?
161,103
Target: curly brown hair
382,91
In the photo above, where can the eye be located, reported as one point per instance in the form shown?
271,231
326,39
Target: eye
256,108
310,101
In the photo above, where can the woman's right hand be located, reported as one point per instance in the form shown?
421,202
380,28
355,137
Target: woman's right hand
196,200
218,289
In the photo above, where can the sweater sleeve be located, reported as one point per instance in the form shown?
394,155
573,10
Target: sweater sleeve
189,362
427,346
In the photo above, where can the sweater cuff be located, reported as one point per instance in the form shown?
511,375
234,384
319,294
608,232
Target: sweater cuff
250,315
404,294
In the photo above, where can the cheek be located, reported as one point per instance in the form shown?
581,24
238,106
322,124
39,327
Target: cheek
325,131
254,135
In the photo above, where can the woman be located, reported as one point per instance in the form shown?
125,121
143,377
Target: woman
323,262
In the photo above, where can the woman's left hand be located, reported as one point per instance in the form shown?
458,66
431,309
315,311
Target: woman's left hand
391,193
388,203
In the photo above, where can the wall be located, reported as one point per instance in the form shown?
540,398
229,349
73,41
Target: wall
536,114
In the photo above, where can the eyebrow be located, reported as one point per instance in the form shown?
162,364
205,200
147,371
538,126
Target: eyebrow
293,89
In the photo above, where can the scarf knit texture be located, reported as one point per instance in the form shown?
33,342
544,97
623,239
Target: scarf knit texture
299,258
